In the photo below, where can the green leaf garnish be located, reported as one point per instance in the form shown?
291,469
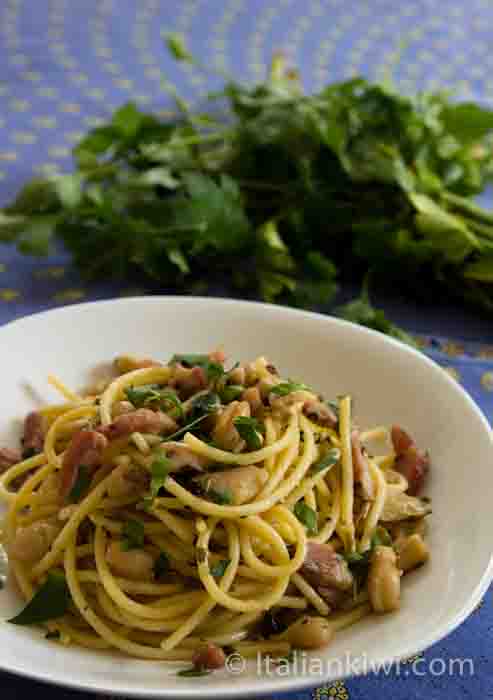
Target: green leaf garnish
153,394
223,497
202,407
213,370
331,457
231,392
132,535
50,602
307,516
285,388
250,431
81,486
218,570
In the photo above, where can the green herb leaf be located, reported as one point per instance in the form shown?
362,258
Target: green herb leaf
381,538
213,370
193,672
218,570
132,535
161,566
231,392
250,431
176,46
49,602
222,498
307,516
148,394
331,457
159,474
202,407
285,388
81,486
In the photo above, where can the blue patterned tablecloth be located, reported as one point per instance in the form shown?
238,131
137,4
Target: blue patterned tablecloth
66,64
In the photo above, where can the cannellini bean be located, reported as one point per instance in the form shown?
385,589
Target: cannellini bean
135,564
181,456
31,543
224,432
384,580
253,398
243,483
120,408
127,482
310,633
412,552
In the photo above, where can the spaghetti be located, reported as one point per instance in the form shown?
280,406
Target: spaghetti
188,508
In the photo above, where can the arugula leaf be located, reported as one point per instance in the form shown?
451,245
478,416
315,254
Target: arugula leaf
132,535
231,392
307,516
161,566
218,570
202,407
250,431
81,486
147,394
285,388
331,457
49,602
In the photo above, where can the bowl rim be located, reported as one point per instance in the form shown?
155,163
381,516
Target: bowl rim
272,685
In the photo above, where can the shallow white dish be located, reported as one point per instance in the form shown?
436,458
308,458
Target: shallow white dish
390,383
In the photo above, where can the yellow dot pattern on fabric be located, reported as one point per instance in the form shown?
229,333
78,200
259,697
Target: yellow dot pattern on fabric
333,691
487,381
9,295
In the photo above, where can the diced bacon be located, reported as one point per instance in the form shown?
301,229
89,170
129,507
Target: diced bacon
327,572
85,449
411,462
8,458
34,432
141,421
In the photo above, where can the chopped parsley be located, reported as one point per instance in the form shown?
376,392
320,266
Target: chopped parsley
328,460
213,370
250,431
132,535
307,516
81,486
285,388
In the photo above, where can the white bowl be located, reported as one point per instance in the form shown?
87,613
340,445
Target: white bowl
390,383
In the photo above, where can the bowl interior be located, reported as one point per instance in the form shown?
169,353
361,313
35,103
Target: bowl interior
390,384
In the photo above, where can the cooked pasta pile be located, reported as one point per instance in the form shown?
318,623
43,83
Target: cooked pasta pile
185,509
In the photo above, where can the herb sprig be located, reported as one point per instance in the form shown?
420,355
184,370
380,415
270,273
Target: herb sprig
278,197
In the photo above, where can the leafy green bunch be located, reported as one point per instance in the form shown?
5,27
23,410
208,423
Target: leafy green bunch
276,192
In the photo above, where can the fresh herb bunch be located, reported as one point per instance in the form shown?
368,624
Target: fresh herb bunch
277,195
